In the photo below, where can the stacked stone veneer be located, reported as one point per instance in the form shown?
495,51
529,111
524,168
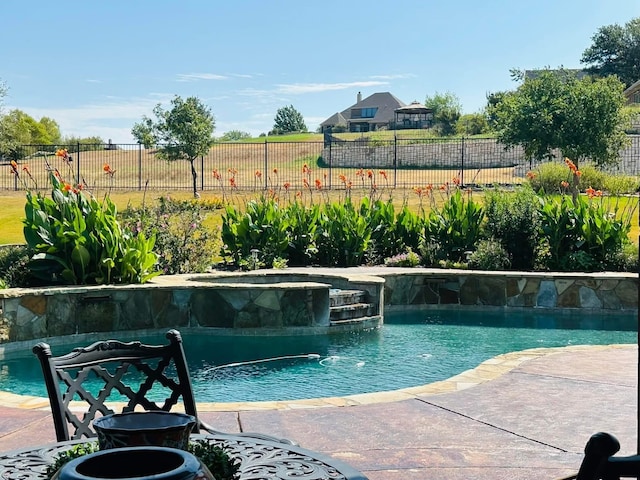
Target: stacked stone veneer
271,302
605,292
246,304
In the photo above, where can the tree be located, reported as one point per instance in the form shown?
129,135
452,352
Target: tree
472,124
584,118
185,132
446,112
18,128
234,136
288,120
615,51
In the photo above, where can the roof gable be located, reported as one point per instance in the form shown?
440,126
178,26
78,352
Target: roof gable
384,101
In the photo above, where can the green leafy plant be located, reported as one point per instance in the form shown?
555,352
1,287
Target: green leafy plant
78,240
343,235
489,255
219,463
407,259
14,270
456,226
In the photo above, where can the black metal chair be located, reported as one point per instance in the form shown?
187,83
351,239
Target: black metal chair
599,462
125,373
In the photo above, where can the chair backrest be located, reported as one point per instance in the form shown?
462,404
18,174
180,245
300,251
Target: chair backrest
136,374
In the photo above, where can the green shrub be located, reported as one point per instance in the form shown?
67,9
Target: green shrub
343,235
489,255
406,259
512,218
14,266
549,176
183,242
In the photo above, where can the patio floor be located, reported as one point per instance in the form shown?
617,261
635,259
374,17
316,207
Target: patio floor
527,416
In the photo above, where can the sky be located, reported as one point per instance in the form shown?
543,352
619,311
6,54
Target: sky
97,68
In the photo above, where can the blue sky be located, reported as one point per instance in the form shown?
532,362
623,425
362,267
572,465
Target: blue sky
98,67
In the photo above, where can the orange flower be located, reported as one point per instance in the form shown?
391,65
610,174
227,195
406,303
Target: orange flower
286,186
571,165
564,184
318,184
275,171
232,182
258,174
108,170
417,191
232,171
305,182
429,187
216,174
14,167
456,181
590,192
63,153
342,178
531,175
369,174
598,193
349,185
305,168
66,187
578,173
360,173
298,194
383,173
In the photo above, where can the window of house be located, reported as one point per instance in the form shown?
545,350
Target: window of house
369,112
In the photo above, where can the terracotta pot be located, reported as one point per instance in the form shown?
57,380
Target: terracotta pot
162,429
151,463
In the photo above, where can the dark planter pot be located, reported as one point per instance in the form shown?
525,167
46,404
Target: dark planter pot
150,463
161,429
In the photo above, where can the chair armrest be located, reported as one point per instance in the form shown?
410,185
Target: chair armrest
259,436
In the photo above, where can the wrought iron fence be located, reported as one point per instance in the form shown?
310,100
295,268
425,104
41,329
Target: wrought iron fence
332,164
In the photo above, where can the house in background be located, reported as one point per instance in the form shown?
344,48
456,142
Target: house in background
632,94
376,112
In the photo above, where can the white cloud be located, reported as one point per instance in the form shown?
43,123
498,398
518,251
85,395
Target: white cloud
299,88
194,77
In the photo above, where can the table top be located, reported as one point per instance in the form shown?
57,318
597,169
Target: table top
259,459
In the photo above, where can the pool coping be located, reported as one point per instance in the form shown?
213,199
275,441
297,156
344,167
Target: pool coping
486,371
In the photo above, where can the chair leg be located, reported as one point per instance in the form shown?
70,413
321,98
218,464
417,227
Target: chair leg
259,436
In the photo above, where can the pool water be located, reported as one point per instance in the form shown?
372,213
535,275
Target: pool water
409,350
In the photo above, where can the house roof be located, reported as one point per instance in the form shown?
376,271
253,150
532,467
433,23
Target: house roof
385,102
335,119
634,87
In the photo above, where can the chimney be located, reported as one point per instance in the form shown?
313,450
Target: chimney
359,97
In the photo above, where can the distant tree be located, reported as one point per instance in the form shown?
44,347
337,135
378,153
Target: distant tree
288,120
74,144
18,129
234,136
584,118
185,132
493,98
472,124
446,112
615,51
145,133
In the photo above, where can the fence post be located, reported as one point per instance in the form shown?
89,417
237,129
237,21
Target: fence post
330,165
139,166
462,163
78,176
395,159
202,173
266,162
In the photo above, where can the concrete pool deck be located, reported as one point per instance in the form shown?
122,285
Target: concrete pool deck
523,415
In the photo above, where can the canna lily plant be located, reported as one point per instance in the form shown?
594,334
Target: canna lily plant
77,239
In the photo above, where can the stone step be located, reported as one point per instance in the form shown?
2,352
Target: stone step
352,311
338,297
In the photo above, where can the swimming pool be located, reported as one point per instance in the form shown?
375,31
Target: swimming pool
411,349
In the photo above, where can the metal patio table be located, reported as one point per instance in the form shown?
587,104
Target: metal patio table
259,459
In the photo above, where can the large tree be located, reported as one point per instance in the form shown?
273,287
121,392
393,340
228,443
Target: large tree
185,132
288,120
615,51
584,118
446,111
18,129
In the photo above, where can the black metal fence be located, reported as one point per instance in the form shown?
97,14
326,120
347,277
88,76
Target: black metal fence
332,164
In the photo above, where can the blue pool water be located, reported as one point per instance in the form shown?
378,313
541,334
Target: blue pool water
411,349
